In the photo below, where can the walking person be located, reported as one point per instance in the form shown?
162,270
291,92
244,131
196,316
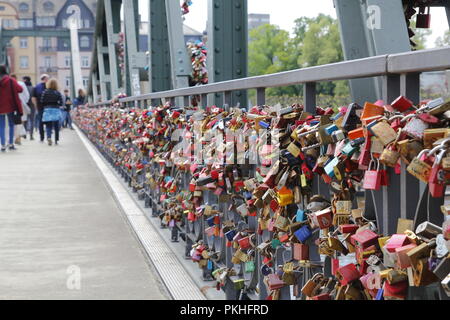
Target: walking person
10,107
37,94
32,116
51,101
67,120
24,97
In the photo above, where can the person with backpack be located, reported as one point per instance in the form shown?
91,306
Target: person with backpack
10,107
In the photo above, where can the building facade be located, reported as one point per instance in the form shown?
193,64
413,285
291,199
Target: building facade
29,56
256,20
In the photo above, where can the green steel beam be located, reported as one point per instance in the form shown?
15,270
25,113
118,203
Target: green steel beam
101,70
36,33
134,59
228,44
369,28
112,20
159,64
181,64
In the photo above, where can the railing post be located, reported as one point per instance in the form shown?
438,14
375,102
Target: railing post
410,186
261,96
309,97
227,98
186,101
204,101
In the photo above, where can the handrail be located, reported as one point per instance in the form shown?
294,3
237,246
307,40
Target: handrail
417,61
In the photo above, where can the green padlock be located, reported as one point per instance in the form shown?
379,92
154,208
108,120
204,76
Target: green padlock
249,267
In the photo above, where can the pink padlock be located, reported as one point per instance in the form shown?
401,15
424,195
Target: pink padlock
402,259
396,241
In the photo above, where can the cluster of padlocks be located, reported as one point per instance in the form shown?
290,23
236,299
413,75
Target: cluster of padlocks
240,186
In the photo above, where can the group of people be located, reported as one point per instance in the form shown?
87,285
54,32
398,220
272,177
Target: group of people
27,108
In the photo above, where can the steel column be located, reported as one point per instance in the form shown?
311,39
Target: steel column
101,69
227,44
260,96
112,20
159,68
131,16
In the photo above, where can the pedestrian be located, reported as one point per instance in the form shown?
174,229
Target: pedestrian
67,119
10,107
80,99
24,97
37,94
32,116
51,101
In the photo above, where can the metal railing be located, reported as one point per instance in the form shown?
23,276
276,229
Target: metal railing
406,197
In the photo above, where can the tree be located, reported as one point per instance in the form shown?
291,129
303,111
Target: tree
420,37
443,41
318,42
270,51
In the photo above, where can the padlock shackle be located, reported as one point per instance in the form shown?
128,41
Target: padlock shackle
422,152
435,149
408,117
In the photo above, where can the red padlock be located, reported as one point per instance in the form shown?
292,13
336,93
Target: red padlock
402,104
347,274
396,241
364,239
244,243
423,20
348,228
372,178
300,251
384,178
436,179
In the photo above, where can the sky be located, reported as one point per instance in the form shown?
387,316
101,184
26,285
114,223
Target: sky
284,12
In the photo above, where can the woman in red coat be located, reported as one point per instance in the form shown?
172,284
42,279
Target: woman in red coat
9,103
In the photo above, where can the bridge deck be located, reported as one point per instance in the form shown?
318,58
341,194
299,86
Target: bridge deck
56,212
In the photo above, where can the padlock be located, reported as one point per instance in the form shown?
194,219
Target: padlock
384,132
428,230
300,251
389,157
436,179
419,168
347,274
364,239
423,19
372,178
402,104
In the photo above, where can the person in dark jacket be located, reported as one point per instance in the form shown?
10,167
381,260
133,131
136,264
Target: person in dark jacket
36,98
51,99
9,103
32,115
80,99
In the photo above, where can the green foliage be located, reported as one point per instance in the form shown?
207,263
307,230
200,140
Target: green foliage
443,41
420,37
315,41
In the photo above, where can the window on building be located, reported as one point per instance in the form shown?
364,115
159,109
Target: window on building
48,62
84,42
49,6
24,7
67,82
24,62
8,23
46,42
65,44
67,61
45,21
23,43
2,8
64,23
87,23
26,23
85,62
85,81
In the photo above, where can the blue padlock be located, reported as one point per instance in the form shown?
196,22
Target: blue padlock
329,130
300,215
379,295
329,168
303,233
210,221
230,235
